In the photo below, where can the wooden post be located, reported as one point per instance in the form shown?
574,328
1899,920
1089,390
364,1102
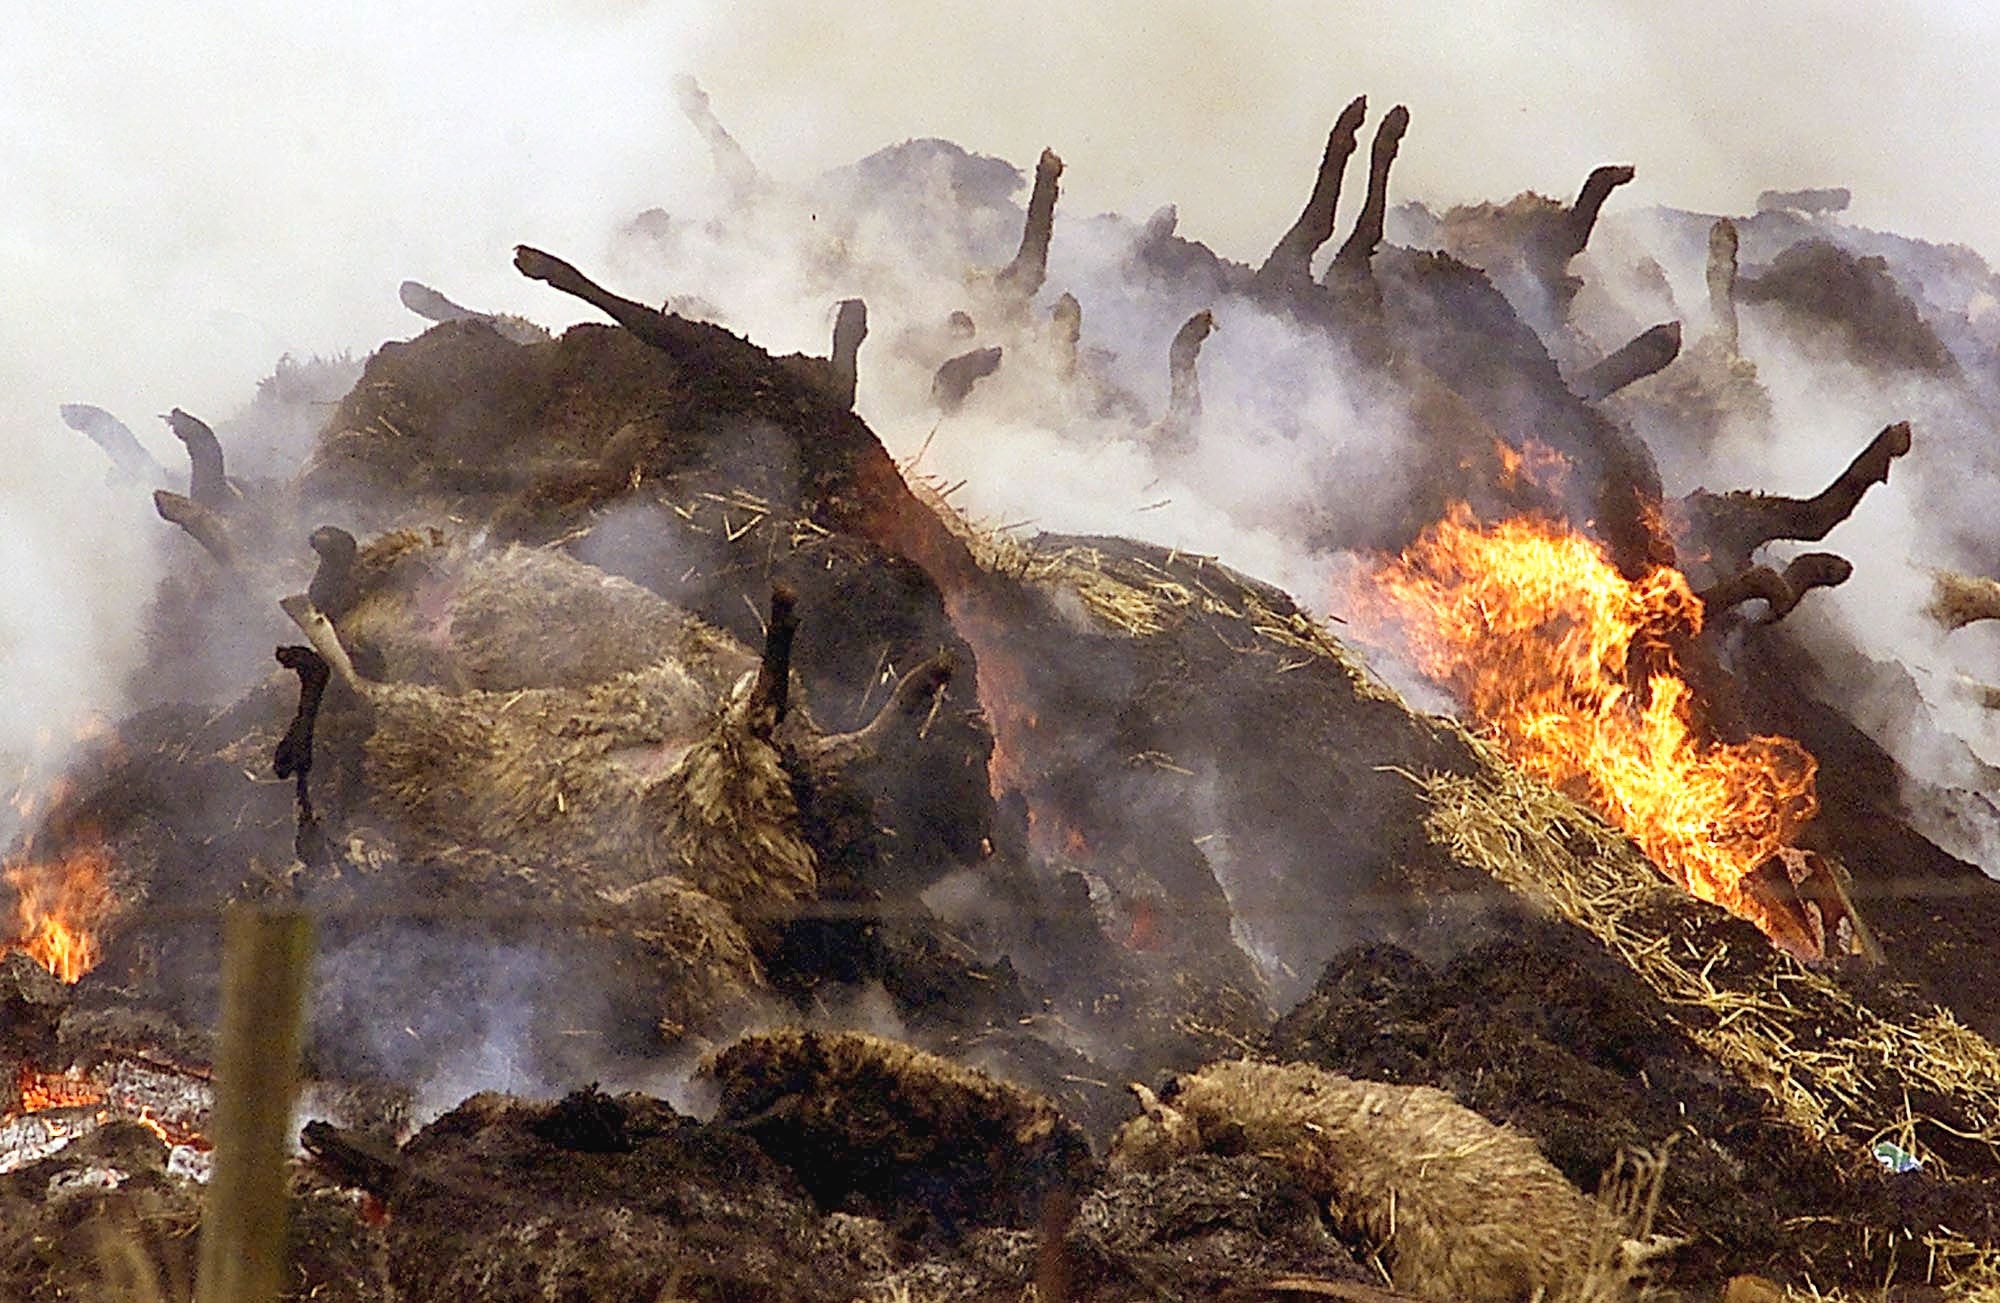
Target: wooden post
265,957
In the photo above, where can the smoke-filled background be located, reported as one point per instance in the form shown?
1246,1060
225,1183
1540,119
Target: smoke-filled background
194,192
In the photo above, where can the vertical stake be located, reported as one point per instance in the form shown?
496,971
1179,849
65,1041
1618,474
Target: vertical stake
265,957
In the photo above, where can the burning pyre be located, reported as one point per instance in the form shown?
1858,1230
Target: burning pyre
1081,811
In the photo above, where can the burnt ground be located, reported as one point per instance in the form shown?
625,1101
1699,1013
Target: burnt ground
506,1199
1541,1030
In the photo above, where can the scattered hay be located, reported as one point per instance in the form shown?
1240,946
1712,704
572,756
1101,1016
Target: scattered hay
1838,1069
1141,598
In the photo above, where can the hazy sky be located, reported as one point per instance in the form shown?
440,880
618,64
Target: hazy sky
193,188
188,190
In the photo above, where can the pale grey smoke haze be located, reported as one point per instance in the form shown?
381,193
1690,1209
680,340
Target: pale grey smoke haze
1223,109
189,191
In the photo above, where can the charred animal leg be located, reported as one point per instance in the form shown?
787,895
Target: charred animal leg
732,164
117,441
1782,591
1581,219
1651,351
904,713
320,633
1176,428
1810,570
352,1158
294,756
1290,262
1066,319
1367,234
850,327
431,305
1030,267
1722,245
207,484
1733,525
772,691
952,384
691,342
333,586
202,524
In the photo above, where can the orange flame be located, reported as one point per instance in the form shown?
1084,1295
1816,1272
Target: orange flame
1533,464
60,904
1533,628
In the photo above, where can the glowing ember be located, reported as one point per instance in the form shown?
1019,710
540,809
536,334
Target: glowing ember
157,1127
59,905
46,1090
1571,666
38,1092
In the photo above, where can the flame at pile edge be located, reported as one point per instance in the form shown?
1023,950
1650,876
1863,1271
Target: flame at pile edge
1572,668
59,906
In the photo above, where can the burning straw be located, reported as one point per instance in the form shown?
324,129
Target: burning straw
59,906
1573,666
1834,1067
